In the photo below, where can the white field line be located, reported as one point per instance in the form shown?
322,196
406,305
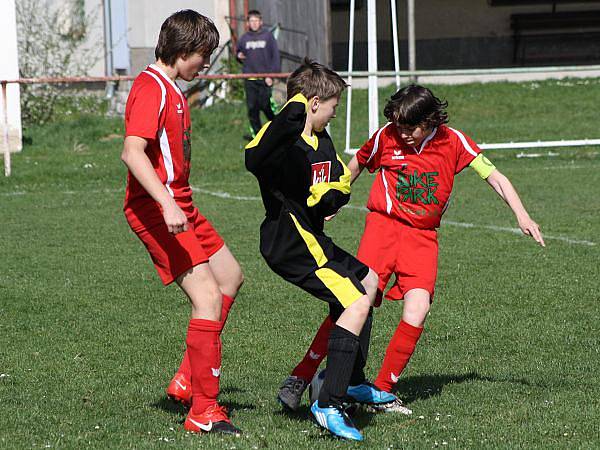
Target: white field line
497,228
445,222
233,197
227,195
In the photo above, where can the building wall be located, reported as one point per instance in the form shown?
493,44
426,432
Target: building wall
310,20
450,34
145,26
143,22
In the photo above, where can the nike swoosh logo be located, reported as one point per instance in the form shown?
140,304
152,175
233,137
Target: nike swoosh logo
394,377
203,427
314,355
181,385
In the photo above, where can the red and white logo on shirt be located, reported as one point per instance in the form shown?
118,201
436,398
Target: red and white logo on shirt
321,172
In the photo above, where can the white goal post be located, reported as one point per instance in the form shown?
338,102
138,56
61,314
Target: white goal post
373,73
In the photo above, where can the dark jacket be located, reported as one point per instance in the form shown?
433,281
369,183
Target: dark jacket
261,51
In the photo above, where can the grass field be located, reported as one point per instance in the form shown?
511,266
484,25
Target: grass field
510,357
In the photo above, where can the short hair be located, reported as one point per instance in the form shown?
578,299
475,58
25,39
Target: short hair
416,105
254,13
183,33
313,79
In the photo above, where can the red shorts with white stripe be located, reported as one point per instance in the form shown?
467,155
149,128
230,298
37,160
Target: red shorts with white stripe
391,247
174,254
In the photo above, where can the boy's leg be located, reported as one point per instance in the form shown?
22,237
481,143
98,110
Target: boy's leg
294,386
403,342
204,350
416,272
265,102
342,350
360,390
315,354
252,102
203,338
228,275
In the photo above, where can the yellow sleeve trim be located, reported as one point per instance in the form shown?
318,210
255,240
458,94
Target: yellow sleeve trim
317,191
311,242
254,142
482,166
342,287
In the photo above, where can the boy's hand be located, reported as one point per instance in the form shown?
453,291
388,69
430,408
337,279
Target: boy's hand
530,228
241,55
328,218
175,218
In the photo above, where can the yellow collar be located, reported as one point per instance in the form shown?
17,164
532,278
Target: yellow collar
313,140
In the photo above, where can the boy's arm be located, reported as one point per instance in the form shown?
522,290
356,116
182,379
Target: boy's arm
136,160
274,55
239,49
329,196
355,169
505,189
275,136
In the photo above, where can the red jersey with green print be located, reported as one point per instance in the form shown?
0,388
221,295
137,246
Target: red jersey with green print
413,185
158,112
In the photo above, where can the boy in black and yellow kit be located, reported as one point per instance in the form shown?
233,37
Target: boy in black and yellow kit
302,181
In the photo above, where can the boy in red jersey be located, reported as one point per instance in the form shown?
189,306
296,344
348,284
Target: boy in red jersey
183,245
416,157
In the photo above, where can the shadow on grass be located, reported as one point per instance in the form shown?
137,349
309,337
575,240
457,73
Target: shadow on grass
172,407
423,387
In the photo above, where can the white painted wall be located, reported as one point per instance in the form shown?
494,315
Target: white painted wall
146,17
9,69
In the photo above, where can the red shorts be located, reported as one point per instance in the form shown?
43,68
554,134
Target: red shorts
391,247
174,254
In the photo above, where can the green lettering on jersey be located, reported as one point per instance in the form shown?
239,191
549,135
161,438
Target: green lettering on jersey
417,187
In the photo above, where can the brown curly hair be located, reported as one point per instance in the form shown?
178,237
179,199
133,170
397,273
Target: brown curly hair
416,105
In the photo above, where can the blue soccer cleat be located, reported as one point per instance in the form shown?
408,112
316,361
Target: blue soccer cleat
336,421
369,394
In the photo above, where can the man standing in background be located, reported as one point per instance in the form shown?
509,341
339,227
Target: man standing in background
257,51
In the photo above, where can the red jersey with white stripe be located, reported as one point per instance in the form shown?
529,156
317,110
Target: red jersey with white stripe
158,112
413,185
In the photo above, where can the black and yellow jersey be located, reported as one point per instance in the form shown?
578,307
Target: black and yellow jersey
304,172
302,180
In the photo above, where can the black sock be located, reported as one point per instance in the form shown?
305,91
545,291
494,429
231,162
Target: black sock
341,354
364,338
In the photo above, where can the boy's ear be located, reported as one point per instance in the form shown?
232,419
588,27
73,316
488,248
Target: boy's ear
314,103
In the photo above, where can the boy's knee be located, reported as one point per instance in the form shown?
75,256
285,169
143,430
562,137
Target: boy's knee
233,283
371,283
237,283
416,306
363,305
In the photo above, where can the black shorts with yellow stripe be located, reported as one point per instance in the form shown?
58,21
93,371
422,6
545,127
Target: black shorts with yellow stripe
311,260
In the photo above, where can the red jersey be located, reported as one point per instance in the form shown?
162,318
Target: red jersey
413,185
158,112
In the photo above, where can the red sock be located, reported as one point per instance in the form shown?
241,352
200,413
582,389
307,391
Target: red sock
316,352
225,307
185,367
204,350
399,350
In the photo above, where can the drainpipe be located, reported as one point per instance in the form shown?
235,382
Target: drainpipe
108,59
